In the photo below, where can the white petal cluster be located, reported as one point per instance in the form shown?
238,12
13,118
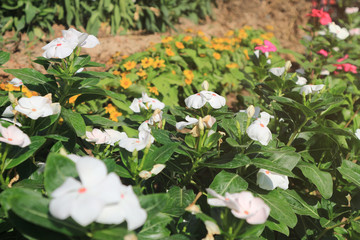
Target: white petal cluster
270,180
109,136
339,32
198,100
146,102
37,106
357,133
277,71
64,46
145,138
16,82
208,122
90,199
301,81
258,129
243,205
311,89
157,168
14,136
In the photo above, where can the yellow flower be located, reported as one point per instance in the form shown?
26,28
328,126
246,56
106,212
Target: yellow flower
189,74
257,41
188,81
154,90
141,73
114,116
147,62
169,52
125,82
159,63
247,27
129,65
242,34
110,108
216,55
205,39
173,72
267,36
73,99
125,56
166,39
179,45
189,30
232,65
116,73
230,33
246,54
187,38
200,33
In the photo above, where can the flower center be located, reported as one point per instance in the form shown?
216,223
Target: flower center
122,196
267,172
214,94
82,190
262,125
58,45
198,94
137,141
246,212
226,199
10,139
34,109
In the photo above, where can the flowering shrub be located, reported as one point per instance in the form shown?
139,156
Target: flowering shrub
286,166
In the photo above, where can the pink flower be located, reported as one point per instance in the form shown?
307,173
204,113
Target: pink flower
243,205
325,18
323,52
344,58
347,67
267,47
354,31
14,136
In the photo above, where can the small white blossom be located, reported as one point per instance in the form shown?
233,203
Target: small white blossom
351,10
301,81
277,71
259,131
146,102
14,136
37,106
114,136
16,82
311,89
338,31
270,180
357,133
98,136
198,100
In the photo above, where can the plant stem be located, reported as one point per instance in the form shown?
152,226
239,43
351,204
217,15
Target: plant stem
295,133
336,225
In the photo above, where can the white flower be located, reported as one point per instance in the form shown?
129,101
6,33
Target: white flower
145,138
212,229
157,168
324,72
82,39
357,133
301,81
128,208
16,82
59,48
270,180
98,136
277,71
259,131
300,71
146,102
8,112
339,32
198,100
14,136
354,31
156,117
37,106
189,121
209,121
114,136
85,200
311,89
145,174
243,205
350,10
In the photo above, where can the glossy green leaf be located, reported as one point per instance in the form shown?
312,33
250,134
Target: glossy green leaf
350,171
228,182
271,166
299,205
179,199
74,120
239,160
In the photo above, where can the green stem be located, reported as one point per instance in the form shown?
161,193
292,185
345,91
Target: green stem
295,133
146,151
3,158
238,228
191,172
336,225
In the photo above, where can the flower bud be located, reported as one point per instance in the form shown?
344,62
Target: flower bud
250,111
145,174
12,98
157,168
201,124
205,85
287,65
209,121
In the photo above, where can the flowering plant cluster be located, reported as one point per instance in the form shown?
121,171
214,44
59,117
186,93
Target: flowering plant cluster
184,164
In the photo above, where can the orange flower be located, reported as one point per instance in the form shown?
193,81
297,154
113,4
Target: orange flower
129,65
267,36
232,65
247,27
230,33
116,73
114,116
200,33
154,90
141,73
246,54
188,81
187,38
257,41
73,99
205,39
110,108
125,82
125,56
173,72
216,55
242,34
189,74
158,63
269,27
166,39
147,62
189,30
169,52
179,45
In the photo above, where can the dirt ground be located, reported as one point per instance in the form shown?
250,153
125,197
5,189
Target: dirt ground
284,15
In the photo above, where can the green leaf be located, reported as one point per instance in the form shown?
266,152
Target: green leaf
33,207
58,168
269,165
285,157
178,201
153,203
155,227
279,227
4,57
299,205
280,208
160,155
33,79
292,103
110,233
350,171
228,182
321,179
122,172
18,155
239,160
74,120
96,120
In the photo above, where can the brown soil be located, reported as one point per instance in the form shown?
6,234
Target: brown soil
284,15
